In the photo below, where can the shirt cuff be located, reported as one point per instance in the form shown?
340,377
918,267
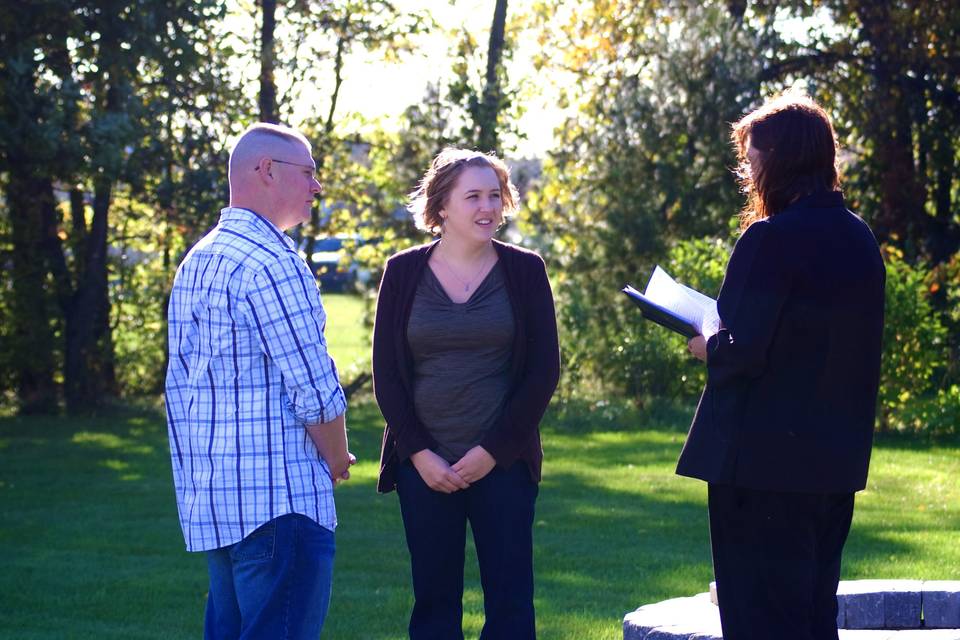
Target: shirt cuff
333,406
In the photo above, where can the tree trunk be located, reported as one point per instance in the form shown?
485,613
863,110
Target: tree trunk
268,57
901,218
944,237
30,201
313,229
30,205
89,373
492,91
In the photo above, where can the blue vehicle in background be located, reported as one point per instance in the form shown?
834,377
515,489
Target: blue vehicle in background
336,270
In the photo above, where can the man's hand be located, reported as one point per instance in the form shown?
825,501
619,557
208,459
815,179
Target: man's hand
474,464
436,472
330,439
345,474
697,346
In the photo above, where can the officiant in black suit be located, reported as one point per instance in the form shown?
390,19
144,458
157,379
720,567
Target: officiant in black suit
784,427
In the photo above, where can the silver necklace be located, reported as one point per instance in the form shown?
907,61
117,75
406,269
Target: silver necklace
466,283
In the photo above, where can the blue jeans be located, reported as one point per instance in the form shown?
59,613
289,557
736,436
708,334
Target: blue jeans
500,510
275,583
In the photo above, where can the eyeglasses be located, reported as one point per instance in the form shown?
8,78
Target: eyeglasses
295,164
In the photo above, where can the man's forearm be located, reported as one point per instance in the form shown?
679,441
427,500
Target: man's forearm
330,439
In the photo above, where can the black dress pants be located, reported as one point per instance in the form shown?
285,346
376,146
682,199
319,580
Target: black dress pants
776,558
500,509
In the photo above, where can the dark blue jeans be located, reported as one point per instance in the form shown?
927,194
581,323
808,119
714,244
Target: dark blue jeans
500,510
275,583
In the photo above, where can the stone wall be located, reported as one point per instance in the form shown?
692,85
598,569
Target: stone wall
867,610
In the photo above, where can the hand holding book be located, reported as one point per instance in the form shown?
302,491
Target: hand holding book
675,306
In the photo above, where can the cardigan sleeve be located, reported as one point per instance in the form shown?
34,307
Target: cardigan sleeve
755,288
394,400
511,436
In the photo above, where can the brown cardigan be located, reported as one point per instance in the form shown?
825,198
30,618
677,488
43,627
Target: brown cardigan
534,370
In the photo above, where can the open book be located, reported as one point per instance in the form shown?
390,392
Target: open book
676,307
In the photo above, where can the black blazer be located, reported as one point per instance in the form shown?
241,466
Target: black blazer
534,365
792,378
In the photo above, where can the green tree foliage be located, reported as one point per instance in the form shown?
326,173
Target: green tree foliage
890,72
631,356
487,111
346,25
117,115
642,171
86,96
489,103
380,174
377,174
34,108
643,164
913,395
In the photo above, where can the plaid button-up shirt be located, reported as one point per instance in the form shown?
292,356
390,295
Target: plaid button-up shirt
248,370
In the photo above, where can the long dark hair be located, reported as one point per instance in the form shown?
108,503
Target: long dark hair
798,152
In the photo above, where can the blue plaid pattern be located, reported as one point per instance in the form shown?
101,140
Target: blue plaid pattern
248,370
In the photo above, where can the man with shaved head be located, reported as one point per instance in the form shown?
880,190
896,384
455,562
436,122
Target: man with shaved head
255,411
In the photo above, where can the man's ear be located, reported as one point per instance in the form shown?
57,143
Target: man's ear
265,169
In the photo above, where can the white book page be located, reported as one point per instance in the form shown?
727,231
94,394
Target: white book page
710,321
665,291
698,309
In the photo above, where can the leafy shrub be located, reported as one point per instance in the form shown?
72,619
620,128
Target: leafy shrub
610,352
608,348
915,354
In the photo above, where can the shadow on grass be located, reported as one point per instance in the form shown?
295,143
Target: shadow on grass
91,531
585,416
916,441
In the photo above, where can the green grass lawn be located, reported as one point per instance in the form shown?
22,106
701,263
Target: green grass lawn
347,337
92,547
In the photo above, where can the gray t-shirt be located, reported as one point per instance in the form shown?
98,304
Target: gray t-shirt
461,356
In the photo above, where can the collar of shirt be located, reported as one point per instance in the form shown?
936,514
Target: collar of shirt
258,222
819,200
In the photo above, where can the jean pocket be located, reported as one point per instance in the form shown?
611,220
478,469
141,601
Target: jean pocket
259,545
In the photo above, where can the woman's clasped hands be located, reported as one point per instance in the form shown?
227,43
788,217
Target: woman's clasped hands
441,476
